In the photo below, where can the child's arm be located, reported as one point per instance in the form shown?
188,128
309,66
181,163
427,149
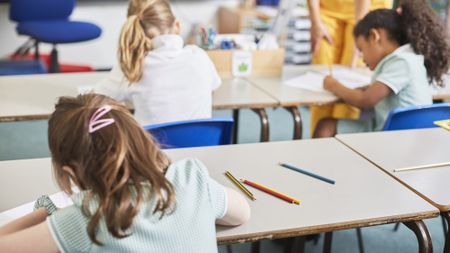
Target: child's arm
238,210
361,98
24,222
32,239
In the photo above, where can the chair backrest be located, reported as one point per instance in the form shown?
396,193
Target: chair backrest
34,10
193,133
416,116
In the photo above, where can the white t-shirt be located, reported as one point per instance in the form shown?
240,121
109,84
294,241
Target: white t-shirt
177,83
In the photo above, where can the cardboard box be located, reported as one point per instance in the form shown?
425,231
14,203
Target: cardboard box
264,62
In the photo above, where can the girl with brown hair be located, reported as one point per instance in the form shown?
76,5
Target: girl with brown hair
163,79
131,197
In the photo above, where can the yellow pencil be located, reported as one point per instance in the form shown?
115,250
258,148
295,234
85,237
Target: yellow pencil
330,62
239,185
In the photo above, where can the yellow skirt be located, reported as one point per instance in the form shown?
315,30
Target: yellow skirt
339,17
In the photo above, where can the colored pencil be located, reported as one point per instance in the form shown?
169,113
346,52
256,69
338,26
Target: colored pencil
308,173
239,185
421,167
271,192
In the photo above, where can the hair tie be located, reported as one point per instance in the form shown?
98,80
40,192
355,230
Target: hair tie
95,123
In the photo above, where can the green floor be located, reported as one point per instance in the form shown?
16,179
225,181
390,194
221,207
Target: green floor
28,139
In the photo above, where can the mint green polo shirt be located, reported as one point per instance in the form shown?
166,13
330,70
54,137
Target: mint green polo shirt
189,228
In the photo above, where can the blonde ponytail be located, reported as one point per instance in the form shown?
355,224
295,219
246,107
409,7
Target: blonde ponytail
134,44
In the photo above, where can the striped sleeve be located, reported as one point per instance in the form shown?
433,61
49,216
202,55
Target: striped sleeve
68,227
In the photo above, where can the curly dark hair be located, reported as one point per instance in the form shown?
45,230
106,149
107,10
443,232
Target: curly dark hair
417,24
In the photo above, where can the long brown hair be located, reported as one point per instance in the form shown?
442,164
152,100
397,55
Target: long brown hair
114,164
414,23
153,19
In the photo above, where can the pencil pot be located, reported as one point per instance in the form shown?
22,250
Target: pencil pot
248,63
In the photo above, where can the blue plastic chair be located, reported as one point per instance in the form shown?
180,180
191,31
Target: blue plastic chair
193,133
48,21
414,117
21,67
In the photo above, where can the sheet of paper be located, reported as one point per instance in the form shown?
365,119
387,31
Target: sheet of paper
313,81
60,199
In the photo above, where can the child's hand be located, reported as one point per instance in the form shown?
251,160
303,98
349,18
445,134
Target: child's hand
329,83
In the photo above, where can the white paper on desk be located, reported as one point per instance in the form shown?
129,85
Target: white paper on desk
60,199
313,81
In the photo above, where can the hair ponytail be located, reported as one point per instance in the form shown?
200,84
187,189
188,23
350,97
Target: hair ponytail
154,17
417,24
120,167
427,36
133,46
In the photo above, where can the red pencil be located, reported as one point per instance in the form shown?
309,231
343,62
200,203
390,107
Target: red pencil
271,192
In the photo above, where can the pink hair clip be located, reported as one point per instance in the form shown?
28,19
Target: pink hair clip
95,123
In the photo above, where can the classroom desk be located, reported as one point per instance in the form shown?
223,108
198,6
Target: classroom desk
391,150
291,97
362,196
32,97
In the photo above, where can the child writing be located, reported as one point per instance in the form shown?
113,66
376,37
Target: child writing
163,79
403,47
131,199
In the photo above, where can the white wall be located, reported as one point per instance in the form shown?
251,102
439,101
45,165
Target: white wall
101,52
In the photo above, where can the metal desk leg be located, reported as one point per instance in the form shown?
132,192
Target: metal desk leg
446,216
297,121
423,236
360,240
327,242
236,125
264,124
256,247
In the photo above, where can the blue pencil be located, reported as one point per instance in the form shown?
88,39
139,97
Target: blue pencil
307,173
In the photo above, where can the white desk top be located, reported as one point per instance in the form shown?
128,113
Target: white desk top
400,149
290,96
362,196
33,97
23,181
239,93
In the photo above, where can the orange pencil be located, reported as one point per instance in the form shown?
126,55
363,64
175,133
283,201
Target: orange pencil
271,192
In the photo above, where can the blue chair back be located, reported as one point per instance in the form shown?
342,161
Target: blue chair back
34,10
193,133
416,116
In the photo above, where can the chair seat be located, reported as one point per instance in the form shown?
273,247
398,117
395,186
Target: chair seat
59,31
